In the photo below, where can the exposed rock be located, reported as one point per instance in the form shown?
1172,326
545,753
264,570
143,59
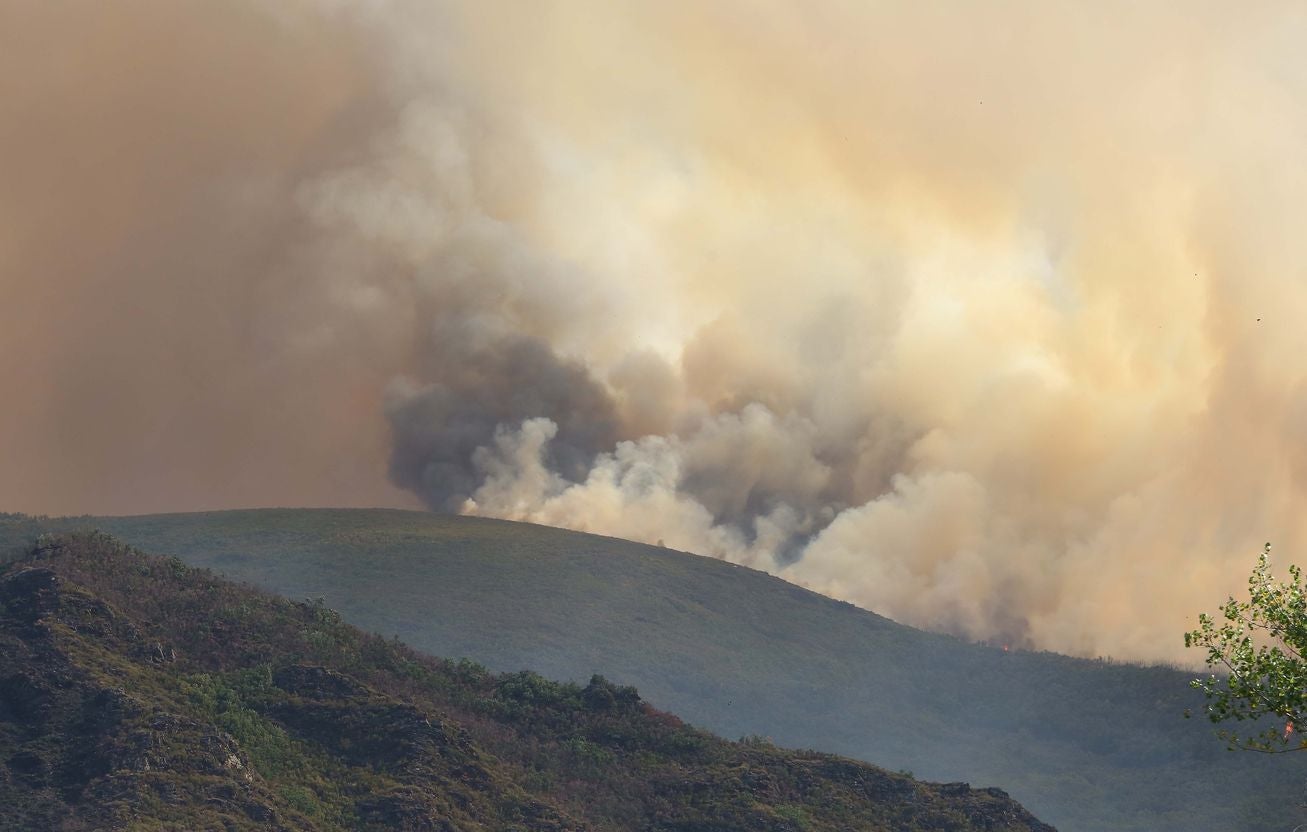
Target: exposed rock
112,705
406,810
47,546
261,812
30,767
758,780
316,682
28,696
30,593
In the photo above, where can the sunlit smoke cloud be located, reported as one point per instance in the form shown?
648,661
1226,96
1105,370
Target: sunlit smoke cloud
984,318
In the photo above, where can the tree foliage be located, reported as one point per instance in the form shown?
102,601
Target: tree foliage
1258,649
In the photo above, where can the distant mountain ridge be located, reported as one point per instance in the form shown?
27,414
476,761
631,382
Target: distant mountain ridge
1085,745
139,693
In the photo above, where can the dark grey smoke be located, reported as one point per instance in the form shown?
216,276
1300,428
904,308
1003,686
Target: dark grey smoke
488,387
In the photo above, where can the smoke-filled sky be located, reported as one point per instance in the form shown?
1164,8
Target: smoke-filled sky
990,317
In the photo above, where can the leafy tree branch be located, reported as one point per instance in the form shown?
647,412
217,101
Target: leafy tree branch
1258,647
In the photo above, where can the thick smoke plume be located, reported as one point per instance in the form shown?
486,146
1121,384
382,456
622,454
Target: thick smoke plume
988,318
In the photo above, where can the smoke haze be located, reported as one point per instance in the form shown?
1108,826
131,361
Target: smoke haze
987,318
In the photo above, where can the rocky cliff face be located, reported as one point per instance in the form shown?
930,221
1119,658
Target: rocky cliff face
138,693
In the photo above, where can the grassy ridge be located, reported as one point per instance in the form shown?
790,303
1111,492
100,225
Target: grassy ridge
140,693
1085,745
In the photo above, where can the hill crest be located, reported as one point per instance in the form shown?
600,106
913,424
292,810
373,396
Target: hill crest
1086,745
138,692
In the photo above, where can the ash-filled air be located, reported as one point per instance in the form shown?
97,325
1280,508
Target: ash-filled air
987,317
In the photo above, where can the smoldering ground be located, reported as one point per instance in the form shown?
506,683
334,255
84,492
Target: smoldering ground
984,318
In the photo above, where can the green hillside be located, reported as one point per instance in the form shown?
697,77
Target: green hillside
1085,745
139,693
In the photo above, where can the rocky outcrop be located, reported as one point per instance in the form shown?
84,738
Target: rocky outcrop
30,593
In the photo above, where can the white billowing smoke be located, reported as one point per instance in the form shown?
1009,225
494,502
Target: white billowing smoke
985,319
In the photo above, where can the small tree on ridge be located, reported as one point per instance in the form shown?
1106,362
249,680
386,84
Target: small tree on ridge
1260,644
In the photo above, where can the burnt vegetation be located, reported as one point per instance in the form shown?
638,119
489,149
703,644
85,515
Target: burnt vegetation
140,692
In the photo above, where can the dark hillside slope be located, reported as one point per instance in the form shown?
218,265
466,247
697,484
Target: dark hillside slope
1086,745
139,693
